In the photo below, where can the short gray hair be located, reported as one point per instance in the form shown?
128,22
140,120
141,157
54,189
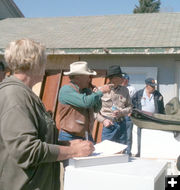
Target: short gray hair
24,55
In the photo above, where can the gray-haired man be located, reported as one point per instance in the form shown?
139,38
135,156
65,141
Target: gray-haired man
78,102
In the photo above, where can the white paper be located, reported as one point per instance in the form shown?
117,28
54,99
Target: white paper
107,147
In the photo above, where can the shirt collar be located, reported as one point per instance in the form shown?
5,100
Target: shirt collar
145,94
75,85
117,88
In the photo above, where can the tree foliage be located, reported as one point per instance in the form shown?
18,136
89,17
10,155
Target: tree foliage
147,6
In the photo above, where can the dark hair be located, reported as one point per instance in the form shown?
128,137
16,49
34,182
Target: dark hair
71,77
112,76
2,67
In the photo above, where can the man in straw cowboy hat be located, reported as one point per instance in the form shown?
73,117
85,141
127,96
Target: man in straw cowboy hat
115,105
78,103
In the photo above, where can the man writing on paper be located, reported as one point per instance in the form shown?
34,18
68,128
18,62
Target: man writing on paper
115,105
78,103
29,147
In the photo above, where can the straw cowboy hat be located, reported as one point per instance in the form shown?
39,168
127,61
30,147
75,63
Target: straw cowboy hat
80,68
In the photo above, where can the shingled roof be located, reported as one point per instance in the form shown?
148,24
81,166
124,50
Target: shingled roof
155,33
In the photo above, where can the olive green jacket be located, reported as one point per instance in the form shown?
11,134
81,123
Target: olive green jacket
28,152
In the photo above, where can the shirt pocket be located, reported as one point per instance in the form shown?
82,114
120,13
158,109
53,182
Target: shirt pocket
122,100
106,101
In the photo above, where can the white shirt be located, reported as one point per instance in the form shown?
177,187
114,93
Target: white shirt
147,103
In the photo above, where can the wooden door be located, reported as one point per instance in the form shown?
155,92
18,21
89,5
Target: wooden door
50,89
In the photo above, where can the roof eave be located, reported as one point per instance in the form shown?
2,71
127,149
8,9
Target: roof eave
111,51
114,51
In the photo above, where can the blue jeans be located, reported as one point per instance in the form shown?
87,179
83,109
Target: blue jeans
64,136
129,127
115,132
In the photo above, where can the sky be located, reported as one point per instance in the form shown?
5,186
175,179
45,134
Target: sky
64,8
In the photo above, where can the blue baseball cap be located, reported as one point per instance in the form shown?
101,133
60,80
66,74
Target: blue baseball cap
150,82
125,76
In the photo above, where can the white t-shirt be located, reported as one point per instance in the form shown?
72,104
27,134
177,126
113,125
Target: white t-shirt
147,103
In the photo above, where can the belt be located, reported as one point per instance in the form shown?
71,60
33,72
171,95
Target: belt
74,133
114,119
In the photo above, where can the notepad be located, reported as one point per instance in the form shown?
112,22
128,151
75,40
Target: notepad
108,147
98,160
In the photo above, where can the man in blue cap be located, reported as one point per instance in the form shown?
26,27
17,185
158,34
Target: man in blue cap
126,83
149,100
128,121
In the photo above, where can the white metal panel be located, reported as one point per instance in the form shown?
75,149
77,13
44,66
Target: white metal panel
178,78
139,74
